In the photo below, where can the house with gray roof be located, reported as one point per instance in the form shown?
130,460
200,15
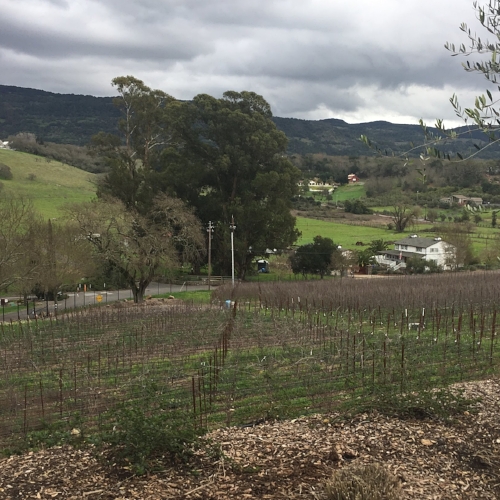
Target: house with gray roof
431,249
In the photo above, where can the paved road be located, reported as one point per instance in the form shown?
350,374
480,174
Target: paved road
90,297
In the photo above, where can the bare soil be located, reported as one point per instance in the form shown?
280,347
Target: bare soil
289,460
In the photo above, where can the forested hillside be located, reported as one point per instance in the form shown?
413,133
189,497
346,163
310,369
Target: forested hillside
74,119
61,118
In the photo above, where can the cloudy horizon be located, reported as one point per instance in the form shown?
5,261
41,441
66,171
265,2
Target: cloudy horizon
315,59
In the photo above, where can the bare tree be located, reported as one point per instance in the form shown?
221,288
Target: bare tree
461,252
402,216
63,256
138,245
18,229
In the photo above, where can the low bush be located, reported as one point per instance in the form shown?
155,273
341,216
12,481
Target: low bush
144,433
5,172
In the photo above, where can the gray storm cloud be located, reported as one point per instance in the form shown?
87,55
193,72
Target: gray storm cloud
313,58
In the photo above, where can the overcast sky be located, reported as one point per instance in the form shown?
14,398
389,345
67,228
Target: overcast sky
361,60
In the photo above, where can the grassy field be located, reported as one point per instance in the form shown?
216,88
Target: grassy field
350,192
482,237
196,297
342,193
342,234
52,184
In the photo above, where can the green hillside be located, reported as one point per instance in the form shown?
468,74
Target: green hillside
49,184
74,119
62,118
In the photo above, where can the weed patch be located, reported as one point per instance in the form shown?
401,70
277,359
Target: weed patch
363,482
142,436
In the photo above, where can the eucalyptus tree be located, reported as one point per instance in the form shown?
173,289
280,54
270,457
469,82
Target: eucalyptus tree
133,155
231,162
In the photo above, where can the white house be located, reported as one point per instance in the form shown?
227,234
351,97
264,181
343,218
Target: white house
4,144
317,185
413,246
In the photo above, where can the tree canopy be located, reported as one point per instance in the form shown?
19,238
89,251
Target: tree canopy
315,257
223,157
134,156
232,163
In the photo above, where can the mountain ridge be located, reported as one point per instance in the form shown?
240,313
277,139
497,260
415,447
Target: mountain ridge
74,118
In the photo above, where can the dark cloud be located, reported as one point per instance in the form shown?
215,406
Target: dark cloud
313,59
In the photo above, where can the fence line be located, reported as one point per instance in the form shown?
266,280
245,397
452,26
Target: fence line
222,365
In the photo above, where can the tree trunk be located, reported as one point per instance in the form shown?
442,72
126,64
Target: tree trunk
138,291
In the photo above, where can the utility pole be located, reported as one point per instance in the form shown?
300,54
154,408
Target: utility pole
232,228
52,268
210,231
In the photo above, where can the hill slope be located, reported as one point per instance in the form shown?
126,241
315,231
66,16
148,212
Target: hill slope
49,184
63,118
339,138
73,119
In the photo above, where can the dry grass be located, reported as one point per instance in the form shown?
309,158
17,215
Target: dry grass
363,482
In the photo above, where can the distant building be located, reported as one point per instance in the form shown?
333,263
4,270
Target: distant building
317,185
4,145
462,200
352,178
413,246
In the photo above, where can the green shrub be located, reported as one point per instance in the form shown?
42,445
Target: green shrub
363,482
144,433
356,207
5,172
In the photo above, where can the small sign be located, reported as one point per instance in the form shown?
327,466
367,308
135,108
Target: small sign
98,298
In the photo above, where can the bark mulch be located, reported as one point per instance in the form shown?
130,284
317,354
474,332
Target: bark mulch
289,460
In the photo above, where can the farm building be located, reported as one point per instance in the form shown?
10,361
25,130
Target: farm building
431,249
352,179
462,200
